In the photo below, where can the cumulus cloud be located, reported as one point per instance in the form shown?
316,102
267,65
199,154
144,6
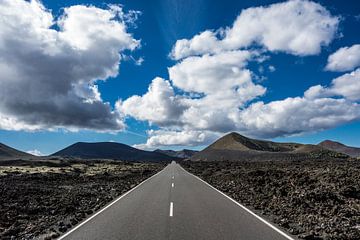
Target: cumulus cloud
212,74
344,59
177,138
222,83
210,90
268,120
320,108
50,66
296,115
159,105
347,86
202,43
299,27
213,91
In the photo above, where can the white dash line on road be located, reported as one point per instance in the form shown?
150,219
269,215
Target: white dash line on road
172,185
172,177
171,209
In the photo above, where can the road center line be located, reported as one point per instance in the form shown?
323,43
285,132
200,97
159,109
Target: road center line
172,184
171,209
172,177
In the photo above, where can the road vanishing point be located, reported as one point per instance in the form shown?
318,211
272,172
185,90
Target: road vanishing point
176,205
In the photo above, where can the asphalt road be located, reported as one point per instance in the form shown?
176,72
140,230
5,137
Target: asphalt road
176,205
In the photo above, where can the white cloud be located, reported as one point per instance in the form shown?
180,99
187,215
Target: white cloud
159,105
299,27
221,80
213,116
319,109
35,152
344,59
11,123
272,68
49,76
296,115
177,138
82,27
347,85
214,92
224,85
139,61
203,43
317,91
212,88
212,74
265,120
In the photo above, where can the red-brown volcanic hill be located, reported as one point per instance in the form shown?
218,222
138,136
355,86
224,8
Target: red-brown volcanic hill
234,147
341,148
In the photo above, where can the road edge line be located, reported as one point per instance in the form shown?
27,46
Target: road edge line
245,208
107,206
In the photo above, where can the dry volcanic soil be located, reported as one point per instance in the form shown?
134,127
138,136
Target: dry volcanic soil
311,199
43,199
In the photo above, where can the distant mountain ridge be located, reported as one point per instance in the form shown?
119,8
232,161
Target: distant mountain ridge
234,146
7,152
339,147
110,150
185,153
230,147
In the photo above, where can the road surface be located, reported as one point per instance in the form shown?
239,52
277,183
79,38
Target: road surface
175,205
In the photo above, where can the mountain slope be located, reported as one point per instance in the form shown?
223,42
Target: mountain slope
185,153
235,147
7,152
341,148
110,150
237,142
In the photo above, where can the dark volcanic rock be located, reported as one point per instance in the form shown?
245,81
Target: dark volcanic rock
341,148
7,152
311,199
185,153
47,201
111,150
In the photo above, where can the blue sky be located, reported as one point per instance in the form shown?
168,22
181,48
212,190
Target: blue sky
159,25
